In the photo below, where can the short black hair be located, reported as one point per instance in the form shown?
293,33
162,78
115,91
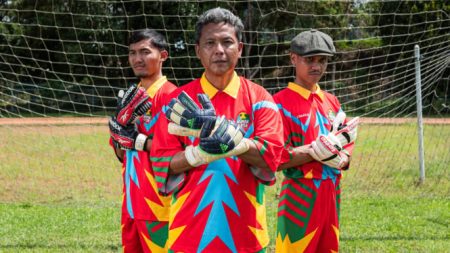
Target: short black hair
156,39
216,16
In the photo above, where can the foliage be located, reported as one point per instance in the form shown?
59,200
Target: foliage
83,44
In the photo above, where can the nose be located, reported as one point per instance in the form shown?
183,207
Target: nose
219,48
316,65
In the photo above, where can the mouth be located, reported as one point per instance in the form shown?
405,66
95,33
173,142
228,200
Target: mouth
220,61
138,67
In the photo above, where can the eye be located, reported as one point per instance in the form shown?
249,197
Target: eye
323,61
309,60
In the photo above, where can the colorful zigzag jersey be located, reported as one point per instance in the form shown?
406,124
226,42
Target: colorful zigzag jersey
219,207
304,214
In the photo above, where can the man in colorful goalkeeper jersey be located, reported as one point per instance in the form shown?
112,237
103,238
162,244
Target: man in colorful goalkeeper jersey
308,210
145,213
218,206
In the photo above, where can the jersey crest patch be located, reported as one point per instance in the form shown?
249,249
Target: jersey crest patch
243,120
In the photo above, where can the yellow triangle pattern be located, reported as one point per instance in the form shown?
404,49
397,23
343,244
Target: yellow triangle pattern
161,212
175,232
287,246
309,174
261,234
336,232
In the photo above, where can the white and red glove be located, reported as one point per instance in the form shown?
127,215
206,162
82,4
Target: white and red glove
328,150
134,103
348,133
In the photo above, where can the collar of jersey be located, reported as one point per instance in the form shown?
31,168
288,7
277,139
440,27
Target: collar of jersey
154,87
304,92
231,89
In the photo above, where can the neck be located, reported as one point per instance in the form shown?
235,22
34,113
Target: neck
220,82
148,81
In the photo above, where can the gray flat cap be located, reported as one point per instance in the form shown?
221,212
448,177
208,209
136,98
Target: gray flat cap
313,42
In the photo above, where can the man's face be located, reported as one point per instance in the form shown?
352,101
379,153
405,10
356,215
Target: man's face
145,59
218,48
309,70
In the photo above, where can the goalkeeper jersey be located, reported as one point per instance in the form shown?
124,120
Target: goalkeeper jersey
219,207
141,199
306,115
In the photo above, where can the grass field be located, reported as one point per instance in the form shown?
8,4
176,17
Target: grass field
60,191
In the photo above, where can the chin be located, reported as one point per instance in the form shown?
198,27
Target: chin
140,75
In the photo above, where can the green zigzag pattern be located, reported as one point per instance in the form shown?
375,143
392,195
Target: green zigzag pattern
289,227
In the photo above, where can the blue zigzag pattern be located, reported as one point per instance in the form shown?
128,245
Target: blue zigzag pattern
130,175
217,193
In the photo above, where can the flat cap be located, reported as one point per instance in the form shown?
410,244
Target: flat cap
312,42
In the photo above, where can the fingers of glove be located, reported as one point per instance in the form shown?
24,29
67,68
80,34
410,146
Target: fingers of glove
205,102
338,121
220,126
337,162
187,101
178,107
348,134
324,149
172,114
143,108
312,151
129,94
207,128
128,111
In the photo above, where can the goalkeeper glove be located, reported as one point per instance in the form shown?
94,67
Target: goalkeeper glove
226,139
187,117
131,105
348,132
127,137
328,150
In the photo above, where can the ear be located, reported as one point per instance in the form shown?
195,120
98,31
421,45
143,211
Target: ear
197,48
164,55
293,58
240,47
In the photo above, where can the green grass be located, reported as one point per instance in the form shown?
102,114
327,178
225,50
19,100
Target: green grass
61,191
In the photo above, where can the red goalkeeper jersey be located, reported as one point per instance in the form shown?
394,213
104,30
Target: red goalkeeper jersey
141,199
219,207
307,115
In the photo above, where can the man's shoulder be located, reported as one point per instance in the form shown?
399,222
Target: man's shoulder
253,87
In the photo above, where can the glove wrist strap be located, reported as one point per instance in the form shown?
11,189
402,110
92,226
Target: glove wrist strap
139,143
192,156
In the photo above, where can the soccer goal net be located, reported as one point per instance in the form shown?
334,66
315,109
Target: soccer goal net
70,57
63,58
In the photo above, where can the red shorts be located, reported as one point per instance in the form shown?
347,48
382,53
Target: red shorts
144,236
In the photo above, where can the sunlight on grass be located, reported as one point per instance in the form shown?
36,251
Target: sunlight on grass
61,190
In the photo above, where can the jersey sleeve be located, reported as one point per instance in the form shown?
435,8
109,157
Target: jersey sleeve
268,136
164,148
286,154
